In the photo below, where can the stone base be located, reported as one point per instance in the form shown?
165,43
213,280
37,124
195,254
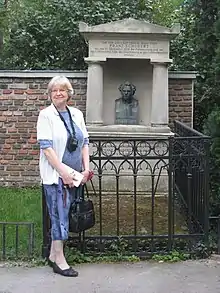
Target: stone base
128,131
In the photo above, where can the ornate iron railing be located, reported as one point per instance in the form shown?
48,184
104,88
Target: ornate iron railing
191,155
142,187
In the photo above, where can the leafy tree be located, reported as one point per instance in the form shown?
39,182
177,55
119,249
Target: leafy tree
48,36
45,34
212,128
195,49
211,101
183,46
200,41
206,42
166,12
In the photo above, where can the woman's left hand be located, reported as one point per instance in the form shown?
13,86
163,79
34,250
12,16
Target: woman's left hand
85,176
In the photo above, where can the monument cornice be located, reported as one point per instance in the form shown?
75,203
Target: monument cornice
129,26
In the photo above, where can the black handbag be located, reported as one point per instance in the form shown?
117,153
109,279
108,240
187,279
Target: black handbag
82,214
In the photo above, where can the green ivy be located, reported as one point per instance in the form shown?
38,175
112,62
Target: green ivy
173,256
75,257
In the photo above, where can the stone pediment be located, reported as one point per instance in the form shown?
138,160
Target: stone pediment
129,26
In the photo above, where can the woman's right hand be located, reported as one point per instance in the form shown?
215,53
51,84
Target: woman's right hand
67,179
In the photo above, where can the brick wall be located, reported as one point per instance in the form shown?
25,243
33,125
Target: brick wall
21,99
180,101
20,102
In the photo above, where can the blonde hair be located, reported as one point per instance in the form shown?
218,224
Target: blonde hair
62,81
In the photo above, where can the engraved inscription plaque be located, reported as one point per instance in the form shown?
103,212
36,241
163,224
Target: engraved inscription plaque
126,48
126,107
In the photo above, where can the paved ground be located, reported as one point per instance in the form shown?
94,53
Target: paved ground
144,277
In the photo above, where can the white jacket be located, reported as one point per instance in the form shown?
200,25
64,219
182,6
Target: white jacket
51,127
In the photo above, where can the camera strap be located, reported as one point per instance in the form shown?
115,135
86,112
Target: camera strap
65,124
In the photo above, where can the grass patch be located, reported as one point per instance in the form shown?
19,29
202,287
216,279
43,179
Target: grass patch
24,205
20,205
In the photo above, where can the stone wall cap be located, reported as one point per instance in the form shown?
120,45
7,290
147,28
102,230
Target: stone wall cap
78,74
43,73
130,26
183,74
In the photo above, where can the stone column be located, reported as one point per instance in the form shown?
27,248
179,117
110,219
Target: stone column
94,100
160,99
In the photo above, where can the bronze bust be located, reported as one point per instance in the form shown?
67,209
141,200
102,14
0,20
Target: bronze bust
126,107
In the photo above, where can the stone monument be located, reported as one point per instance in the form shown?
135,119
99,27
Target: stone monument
126,107
136,51
132,50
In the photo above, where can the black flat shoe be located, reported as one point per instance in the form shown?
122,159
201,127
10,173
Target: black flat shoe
70,272
50,262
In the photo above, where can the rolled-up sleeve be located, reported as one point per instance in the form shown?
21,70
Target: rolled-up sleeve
86,141
45,143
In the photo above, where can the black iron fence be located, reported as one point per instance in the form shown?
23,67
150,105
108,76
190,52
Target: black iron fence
150,195
10,240
191,155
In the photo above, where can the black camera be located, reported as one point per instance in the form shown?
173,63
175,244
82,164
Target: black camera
72,144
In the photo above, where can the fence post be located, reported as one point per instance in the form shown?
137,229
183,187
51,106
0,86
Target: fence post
206,190
171,165
189,201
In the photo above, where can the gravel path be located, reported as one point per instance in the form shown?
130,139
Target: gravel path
143,277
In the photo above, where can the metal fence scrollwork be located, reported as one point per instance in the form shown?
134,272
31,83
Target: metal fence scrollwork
191,158
150,195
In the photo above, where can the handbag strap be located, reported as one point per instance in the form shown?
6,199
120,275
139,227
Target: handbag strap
82,190
93,188
80,194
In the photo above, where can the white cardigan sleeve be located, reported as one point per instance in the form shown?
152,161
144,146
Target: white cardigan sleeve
44,129
83,127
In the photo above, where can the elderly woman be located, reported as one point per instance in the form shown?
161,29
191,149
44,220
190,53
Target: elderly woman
63,139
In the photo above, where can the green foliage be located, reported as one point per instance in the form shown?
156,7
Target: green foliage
166,12
183,46
45,34
195,49
48,36
212,128
24,205
198,250
173,256
20,205
198,48
118,251
75,257
206,42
